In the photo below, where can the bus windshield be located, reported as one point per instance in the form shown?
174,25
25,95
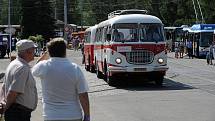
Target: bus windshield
151,33
125,32
206,39
132,32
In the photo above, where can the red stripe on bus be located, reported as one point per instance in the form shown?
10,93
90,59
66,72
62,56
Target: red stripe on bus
155,48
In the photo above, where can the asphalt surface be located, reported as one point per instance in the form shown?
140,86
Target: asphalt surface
188,94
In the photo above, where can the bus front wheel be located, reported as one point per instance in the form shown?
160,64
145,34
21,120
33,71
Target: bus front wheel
98,73
109,79
159,80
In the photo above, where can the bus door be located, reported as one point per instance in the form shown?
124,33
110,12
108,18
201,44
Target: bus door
214,36
98,49
196,39
103,49
204,39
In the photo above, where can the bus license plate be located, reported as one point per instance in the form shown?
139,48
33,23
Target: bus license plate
139,69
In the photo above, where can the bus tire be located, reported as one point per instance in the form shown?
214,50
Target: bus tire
92,69
88,66
109,79
159,80
98,73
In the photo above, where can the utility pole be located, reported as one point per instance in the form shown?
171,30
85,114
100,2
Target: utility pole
197,20
1,5
81,9
9,26
65,19
55,10
198,11
203,20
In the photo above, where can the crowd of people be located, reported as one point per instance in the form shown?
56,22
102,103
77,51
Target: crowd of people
181,49
75,42
64,87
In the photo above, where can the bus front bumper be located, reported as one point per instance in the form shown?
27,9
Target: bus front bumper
114,69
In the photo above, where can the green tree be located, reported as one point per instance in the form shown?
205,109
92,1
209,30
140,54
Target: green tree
208,10
15,12
90,12
37,18
73,11
88,16
99,8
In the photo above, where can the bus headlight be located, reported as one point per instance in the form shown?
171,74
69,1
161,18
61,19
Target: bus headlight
118,60
160,60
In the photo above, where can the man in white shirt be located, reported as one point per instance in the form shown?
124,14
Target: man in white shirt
64,87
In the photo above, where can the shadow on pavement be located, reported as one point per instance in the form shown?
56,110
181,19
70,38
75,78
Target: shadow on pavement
168,84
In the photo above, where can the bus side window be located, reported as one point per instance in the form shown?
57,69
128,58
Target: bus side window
108,36
120,36
115,34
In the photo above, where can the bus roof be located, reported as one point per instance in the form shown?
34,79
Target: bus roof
131,18
202,28
172,28
123,12
91,28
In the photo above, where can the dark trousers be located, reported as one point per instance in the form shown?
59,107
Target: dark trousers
190,54
17,112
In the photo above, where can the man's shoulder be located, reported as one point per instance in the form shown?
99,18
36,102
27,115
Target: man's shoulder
16,64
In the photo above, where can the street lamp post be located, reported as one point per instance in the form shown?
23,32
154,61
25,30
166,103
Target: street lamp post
55,10
9,26
65,18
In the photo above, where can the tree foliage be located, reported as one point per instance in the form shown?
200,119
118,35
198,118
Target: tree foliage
90,12
171,12
73,11
37,18
15,11
37,38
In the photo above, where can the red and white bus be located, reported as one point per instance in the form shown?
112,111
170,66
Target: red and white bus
89,39
130,44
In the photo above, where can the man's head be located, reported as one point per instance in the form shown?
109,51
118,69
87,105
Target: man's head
57,47
25,49
24,44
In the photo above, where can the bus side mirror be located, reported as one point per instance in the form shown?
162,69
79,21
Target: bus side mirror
108,37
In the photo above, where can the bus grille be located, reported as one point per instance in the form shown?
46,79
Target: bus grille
140,57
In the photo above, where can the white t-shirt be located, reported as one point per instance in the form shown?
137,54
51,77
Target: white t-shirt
61,81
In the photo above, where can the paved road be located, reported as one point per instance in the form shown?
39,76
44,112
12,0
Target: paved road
188,94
